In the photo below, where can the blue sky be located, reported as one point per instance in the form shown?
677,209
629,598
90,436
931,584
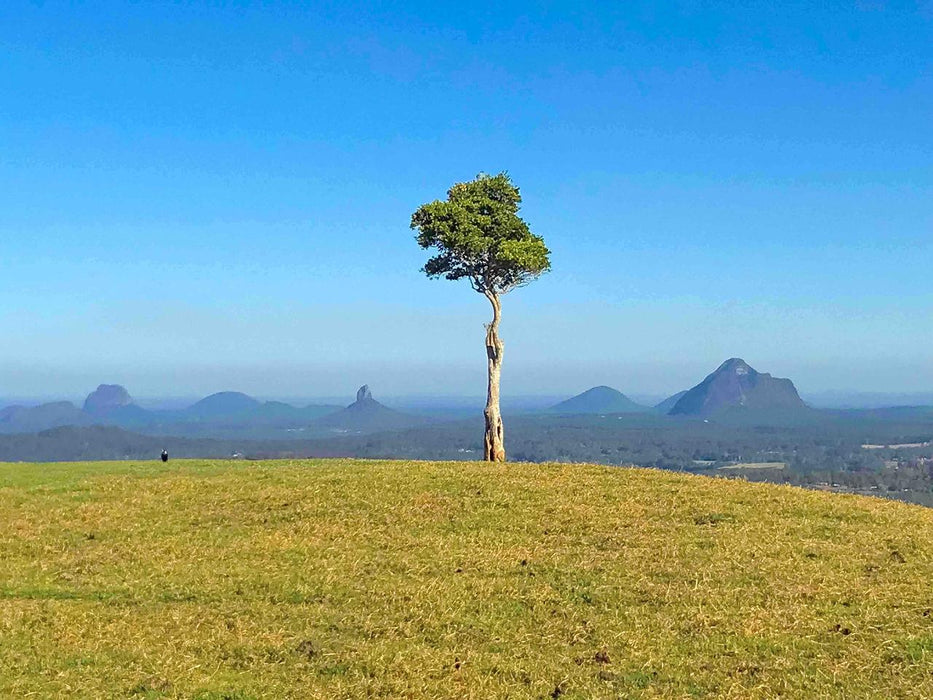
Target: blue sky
206,196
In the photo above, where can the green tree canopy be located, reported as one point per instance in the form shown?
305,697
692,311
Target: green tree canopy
480,236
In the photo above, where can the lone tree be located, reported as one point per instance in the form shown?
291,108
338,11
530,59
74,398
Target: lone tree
479,236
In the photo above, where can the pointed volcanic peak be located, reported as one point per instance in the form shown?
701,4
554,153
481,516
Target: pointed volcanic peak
366,415
106,398
364,400
736,387
223,404
599,399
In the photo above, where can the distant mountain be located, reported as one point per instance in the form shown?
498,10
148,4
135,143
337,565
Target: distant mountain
599,399
667,404
109,404
223,415
30,419
223,404
231,414
280,413
736,387
106,398
366,415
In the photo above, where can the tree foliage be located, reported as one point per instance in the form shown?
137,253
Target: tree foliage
479,236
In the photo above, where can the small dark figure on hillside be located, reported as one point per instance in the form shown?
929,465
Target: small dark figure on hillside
164,456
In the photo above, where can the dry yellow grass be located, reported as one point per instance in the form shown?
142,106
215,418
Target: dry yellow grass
346,579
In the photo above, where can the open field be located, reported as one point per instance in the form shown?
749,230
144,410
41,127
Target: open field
345,579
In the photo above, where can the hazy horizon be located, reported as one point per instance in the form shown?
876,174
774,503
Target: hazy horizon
469,396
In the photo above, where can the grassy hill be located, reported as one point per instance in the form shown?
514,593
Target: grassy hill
344,579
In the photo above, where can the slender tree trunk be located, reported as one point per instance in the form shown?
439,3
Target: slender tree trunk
494,442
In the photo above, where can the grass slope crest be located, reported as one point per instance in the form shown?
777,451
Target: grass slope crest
363,579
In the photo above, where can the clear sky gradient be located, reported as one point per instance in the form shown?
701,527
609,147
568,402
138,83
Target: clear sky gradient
207,196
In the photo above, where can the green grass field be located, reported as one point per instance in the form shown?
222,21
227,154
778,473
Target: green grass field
346,579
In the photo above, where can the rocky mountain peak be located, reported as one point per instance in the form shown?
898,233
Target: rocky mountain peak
735,365
107,397
737,385
364,394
